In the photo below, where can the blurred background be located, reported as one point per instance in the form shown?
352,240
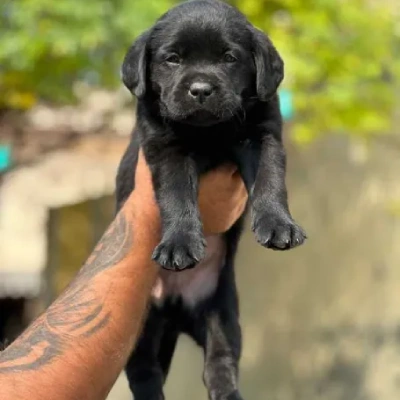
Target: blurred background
320,322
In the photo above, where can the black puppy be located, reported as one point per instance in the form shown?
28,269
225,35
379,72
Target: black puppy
206,83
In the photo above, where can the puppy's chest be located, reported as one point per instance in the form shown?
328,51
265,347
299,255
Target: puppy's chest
213,150
192,285
212,157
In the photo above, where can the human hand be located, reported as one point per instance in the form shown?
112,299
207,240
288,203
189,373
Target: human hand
222,199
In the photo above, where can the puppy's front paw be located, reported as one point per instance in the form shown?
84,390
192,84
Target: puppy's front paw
278,231
180,250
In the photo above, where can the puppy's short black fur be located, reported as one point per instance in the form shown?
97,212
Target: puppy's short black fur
206,83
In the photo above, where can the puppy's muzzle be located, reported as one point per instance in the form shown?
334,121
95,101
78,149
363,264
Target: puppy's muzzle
201,91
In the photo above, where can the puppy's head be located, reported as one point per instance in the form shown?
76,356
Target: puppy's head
204,63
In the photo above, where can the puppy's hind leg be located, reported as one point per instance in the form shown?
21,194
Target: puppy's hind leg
222,353
220,335
167,348
222,348
144,370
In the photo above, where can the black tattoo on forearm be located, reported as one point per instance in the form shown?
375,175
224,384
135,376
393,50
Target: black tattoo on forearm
77,313
112,248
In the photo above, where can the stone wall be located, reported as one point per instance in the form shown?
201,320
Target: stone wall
61,156
83,171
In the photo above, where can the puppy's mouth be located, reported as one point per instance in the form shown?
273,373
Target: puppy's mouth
196,117
201,118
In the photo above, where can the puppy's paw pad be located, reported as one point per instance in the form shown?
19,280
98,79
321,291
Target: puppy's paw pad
278,232
180,251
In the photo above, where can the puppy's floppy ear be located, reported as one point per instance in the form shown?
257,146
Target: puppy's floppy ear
269,65
134,66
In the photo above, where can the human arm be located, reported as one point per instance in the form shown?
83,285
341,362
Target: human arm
77,348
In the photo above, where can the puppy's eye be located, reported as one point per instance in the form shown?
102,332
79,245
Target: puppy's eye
173,59
229,58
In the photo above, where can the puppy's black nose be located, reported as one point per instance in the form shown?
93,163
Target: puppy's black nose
200,90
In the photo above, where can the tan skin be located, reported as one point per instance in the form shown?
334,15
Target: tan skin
78,347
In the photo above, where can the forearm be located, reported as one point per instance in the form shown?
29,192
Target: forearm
77,348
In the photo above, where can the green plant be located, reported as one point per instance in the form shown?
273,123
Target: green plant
339,58
48,45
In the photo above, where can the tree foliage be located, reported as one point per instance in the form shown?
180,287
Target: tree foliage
48,45
339,61
338,54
